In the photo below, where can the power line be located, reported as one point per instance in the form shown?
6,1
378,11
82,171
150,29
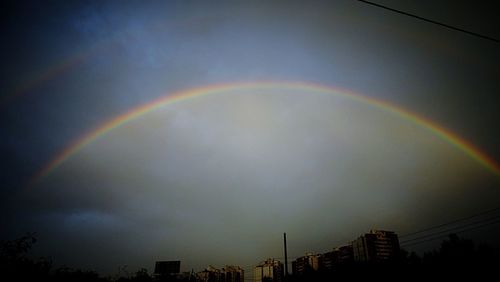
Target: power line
466,226
449,230
431,21
441,236
451,222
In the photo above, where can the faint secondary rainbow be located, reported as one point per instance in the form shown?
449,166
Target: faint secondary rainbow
453,139
69,63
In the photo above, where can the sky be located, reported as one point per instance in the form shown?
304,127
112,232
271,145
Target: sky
217,178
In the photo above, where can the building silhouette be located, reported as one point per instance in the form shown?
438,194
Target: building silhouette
346,254
229,273
232,273
329,260
376,246
269,270
306,264
209,274
338,256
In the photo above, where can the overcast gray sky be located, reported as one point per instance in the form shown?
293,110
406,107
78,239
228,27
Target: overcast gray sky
218,179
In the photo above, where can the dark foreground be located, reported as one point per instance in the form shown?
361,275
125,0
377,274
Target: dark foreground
456,258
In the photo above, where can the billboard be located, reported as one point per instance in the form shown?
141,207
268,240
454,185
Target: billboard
167,267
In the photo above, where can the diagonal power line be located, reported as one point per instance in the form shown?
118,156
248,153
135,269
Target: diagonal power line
453,229
432,21
451,222
424,240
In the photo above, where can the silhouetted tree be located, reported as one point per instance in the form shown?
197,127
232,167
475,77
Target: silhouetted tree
455,258
16,265
142,276
75,275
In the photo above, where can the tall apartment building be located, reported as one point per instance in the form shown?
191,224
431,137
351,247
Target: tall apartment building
376,246
269,270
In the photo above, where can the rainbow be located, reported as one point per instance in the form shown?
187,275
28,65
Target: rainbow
45,76
169,99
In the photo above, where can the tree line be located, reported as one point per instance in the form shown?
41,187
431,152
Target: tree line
455,257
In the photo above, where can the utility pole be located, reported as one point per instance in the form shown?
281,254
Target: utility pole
286,257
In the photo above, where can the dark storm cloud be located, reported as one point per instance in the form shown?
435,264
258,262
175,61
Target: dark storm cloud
134,52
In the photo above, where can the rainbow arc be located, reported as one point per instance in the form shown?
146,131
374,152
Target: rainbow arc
451,138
